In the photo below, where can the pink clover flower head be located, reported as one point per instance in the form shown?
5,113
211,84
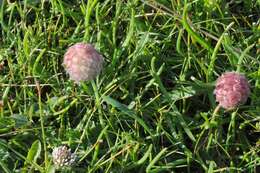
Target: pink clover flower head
82,62
232,89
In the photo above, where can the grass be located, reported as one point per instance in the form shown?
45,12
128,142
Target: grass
151,108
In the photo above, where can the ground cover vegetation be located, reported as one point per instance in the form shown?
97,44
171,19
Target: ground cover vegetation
151,109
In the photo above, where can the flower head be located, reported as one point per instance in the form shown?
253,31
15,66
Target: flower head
62,156
82,62
232,89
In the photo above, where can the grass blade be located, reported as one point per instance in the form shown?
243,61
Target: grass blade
156,158
124,109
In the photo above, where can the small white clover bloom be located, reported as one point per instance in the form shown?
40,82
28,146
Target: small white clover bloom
62,156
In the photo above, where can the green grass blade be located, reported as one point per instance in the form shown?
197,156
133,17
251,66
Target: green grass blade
196,36
214,54
156,159
145,156
240,60
33,153
38,167
130,113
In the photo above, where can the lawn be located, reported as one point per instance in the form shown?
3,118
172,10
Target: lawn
151,109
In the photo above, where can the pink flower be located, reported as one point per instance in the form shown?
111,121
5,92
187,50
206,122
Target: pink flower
82,62
232,89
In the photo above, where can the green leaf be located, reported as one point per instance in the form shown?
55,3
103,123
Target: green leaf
182,93
20,120
34,151
50,169
35,165
26,41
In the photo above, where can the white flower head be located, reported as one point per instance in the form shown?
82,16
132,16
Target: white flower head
62,156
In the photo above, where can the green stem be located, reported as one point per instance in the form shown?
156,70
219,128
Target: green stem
103,125
215,113
42,124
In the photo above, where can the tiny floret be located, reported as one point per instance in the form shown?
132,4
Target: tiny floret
232,89
82,62
62,156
